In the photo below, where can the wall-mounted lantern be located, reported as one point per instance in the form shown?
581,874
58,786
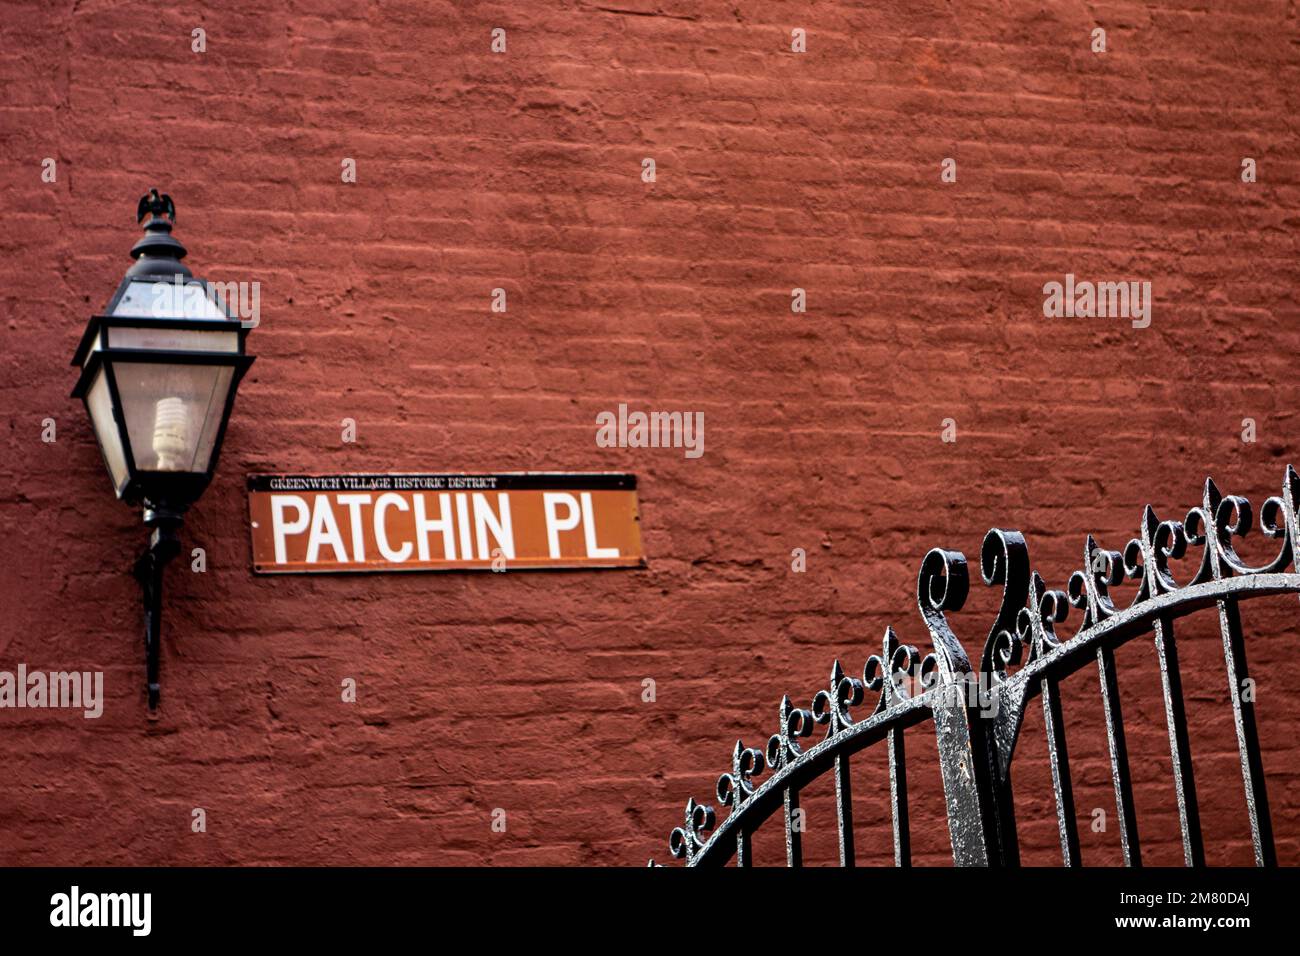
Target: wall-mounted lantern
159,370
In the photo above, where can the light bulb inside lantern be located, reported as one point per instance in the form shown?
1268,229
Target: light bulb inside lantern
170,433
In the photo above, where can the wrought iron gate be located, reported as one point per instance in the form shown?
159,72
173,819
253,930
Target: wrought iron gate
977,708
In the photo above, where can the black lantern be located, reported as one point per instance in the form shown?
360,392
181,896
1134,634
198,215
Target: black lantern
159,370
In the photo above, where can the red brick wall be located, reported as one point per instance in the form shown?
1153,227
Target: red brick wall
521,170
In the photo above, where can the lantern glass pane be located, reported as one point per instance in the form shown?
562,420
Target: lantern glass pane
166,299
173,412
100,403
163,338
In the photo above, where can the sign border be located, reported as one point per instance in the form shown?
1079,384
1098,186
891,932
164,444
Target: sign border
259,482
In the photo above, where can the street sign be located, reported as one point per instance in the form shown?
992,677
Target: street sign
441,522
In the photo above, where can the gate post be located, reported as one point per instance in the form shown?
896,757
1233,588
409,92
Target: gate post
961,734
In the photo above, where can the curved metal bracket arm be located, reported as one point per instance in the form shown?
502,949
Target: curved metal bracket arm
164,544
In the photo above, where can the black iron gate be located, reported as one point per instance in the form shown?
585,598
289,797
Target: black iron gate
977,708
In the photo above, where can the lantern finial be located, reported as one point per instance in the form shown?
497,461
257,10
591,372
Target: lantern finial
151,202
157,252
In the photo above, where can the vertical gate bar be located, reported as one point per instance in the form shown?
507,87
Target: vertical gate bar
744,849
1243,713
969,786
844,810
1189,816
898,798
1008,846
1119,772
793,835
993,775
1058,755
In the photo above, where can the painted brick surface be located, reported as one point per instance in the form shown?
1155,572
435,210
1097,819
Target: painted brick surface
522,171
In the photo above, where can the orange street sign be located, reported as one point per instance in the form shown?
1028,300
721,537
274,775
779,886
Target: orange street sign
518,521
